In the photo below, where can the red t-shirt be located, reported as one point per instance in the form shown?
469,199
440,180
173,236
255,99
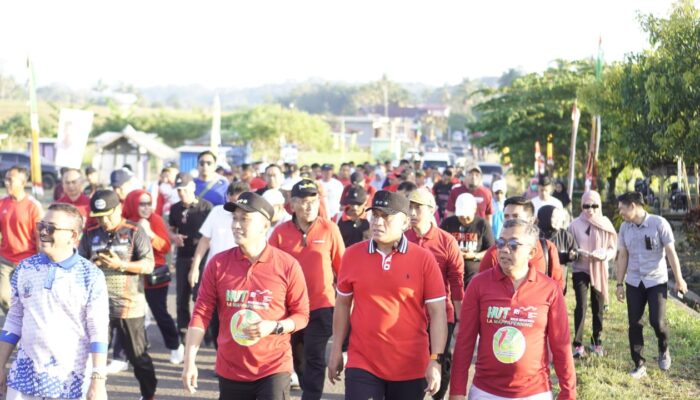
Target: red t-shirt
514,328
491,260
389,335
445,249
319,255
18,227
482,196
82,203
273,288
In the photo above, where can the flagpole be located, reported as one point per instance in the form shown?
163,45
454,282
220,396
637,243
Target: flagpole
575,117
215,136
34,160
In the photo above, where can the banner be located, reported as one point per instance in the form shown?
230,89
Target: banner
74,126
34,159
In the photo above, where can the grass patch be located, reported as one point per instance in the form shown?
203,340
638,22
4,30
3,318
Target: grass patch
608,377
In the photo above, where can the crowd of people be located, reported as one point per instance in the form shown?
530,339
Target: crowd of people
393,264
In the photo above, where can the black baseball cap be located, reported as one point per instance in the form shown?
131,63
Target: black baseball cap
357,178
304,188
390,202
103,202
327,167
356,195
182,180
251,202
119,177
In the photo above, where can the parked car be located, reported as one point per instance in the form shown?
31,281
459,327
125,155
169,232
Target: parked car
489,170
8,159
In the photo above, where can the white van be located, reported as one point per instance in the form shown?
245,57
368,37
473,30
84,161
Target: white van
438,160
488,170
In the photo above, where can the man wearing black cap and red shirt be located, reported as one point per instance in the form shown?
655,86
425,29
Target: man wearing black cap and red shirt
260,296
318,246
472,184
123,251
389,283
357,178
353,223
186,217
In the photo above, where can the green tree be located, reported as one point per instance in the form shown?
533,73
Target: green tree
372,94
324,98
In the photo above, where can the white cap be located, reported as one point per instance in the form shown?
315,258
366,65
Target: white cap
465,205
289,183
499,185
274,197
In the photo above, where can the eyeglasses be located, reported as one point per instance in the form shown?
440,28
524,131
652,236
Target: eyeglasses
50,228
511,243
145,204
593,206
203,163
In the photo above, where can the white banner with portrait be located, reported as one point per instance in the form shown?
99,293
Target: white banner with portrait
74,126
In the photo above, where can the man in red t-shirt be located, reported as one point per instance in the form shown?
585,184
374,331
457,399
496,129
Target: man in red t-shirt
425,233
389,283
260,296
72,181
471,183
518,207
19,213
517,313
316,243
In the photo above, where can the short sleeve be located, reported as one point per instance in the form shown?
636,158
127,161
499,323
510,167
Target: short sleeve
665,232
433,283
207,228
142,248
621,238
346,279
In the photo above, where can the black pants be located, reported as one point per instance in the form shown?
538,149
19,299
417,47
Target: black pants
133,336
157,302
637,299
446,366
361,385
183,294
273,387
582,282
309,352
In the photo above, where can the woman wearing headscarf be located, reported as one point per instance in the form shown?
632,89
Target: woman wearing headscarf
597,239
550,220
138,208
560,193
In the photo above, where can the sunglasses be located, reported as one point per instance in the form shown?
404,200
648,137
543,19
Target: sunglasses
203,163
49,228
587,206
512,244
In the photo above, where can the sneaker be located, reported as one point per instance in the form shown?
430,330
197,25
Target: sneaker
177,355
295,381
639,372
579,352
117,366
665,361
597,349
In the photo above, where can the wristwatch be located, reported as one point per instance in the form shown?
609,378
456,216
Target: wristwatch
279,328
438,358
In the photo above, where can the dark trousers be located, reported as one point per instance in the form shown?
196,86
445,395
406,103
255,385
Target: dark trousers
361,385
309,352
183,294
446,366
582,282
133,335
273,387
637,299
157,302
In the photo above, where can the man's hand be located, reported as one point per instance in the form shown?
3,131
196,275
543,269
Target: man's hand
681,286
620,294
433,376
108,259
179,239
97,389
3,381
193,276
189,376
335,365
468,254
260,329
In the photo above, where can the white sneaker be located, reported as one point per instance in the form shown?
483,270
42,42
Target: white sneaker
177,355
117,366
295,381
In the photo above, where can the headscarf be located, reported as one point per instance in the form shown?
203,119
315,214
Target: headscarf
603,236
544,221
562,196
131,213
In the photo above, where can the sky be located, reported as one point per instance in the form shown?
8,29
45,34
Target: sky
238,44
